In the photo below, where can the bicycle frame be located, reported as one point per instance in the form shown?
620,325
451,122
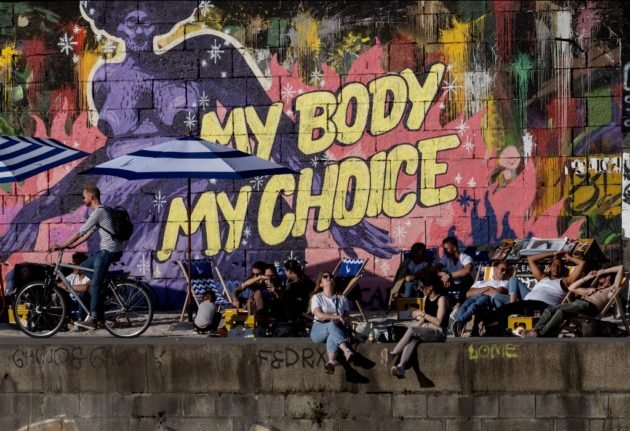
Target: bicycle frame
57,272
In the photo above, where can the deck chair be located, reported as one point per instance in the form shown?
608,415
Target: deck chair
574,324
202,281
347,274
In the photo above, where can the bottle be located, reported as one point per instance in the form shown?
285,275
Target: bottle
371,334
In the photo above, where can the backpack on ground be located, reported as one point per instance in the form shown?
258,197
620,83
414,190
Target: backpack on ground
123,227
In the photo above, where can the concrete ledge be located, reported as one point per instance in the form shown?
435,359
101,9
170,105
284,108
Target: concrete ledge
280,384
296,366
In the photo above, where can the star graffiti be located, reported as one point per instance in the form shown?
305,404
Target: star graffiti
451,88
258,182
76,29
204,7
471,183
190,121
469,146
400,232
66,44
316,77
144,266
461,127
288,92
465,200
215,52
159,201
458,178
383,266
204,100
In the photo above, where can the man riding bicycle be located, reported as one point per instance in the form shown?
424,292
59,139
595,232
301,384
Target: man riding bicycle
110,250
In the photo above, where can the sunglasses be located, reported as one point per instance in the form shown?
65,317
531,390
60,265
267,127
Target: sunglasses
327,276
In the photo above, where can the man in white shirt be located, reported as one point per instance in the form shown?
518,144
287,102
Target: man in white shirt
455,269
480,295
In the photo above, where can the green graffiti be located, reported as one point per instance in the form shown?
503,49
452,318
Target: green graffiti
523,69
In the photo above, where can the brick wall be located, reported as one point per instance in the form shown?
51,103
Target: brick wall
408,121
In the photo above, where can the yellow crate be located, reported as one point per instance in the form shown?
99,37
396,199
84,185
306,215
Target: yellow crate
527,322
234,317
406,306
22,312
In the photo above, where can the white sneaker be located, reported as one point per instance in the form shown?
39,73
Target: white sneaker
88,323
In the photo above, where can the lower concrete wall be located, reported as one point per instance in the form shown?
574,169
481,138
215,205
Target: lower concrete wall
225,384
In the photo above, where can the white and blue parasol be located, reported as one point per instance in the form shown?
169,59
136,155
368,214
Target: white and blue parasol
22,157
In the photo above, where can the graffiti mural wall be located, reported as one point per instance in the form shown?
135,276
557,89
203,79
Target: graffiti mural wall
407,121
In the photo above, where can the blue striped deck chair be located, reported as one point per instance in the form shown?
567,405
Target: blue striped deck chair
347,273
202,281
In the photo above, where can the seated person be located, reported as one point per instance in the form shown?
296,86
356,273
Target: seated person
591,301
549,290
410,270
480,296
207,318
243,295
455,270
295,297
81,284
431,326
332,316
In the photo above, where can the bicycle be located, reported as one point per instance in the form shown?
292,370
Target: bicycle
41,308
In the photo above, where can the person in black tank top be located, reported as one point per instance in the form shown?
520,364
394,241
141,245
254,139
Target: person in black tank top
431,326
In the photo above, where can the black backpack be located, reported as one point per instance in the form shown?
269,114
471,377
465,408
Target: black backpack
123,228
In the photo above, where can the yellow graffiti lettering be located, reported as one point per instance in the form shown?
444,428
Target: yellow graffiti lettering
234,216
511,351
276,186
206,210
353,176
389,99
235,129
356,93
324,117
323,201
421,95
493,351
177,221
378,167
403,157
430,195
316,132
265,133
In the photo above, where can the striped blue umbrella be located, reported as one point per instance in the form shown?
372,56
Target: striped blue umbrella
188,157
22,157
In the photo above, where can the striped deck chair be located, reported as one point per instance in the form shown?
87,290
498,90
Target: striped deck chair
202,281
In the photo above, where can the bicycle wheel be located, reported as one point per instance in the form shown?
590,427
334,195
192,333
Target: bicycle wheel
128,309
40,310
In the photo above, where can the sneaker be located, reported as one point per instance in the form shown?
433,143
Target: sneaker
397,371
88,323
348,355
329,368
458,328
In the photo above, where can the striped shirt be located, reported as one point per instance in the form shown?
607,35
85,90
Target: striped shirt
102,218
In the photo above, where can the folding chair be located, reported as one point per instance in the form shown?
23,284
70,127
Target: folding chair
573,324
347,274
202,281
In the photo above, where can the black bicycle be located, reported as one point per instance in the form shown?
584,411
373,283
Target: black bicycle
41,308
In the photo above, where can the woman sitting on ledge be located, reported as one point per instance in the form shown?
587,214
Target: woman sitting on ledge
431,327
331,313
